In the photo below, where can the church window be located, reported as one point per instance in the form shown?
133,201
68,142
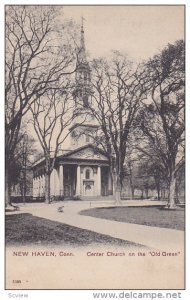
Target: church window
87,175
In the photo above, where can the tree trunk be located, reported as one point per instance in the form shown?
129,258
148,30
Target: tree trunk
133,193
47,188
118,195
158,192
132,187
171,196
117,191
7,189
177,192
24,188
163,193
146,193
157,182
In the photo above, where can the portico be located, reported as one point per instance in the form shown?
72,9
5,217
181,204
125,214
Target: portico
80,172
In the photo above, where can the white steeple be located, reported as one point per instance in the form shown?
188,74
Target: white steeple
84,126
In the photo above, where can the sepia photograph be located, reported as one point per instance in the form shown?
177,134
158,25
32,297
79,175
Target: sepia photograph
94,147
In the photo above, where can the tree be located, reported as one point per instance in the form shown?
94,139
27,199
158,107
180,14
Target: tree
52,114
148,161
162,118
156,170
20,166
26,154
37,56
180,184
130,175
117,96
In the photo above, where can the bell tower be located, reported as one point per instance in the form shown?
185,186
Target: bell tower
84,126
83,88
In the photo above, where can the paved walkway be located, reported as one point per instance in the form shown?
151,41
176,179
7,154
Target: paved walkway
153,237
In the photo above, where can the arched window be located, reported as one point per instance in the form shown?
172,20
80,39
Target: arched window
87,175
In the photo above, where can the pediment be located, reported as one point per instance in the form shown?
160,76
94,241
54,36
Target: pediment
88,153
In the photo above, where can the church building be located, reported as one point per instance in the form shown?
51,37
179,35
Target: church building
83,169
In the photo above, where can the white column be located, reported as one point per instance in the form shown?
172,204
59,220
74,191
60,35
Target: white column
40,186
99,181
38,194
61,179
34,187
78,189
44,183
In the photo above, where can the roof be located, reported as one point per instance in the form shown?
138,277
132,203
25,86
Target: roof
83,125
82,148
71,152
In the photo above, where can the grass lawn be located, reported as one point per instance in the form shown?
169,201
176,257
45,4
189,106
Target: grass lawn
25,229
151,216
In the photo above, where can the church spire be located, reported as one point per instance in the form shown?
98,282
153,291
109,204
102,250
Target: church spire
83,88
83,123
82,51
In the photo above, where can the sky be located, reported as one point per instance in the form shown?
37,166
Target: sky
139,31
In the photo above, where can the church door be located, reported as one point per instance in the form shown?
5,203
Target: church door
67,191
88,188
